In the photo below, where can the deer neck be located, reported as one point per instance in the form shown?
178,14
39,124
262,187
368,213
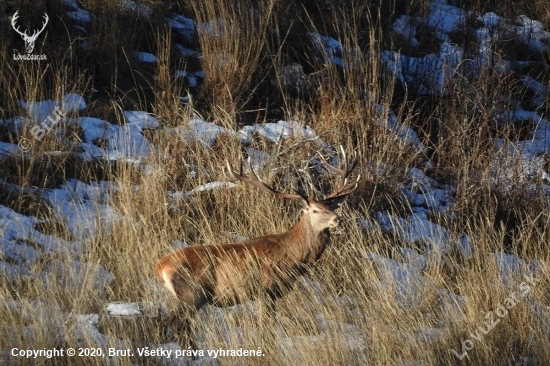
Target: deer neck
304,244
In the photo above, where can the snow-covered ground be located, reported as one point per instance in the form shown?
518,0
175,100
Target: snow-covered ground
85,210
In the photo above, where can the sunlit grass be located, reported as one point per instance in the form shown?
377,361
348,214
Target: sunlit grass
342,313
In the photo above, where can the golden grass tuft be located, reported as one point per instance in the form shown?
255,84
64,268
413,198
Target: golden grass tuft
345,313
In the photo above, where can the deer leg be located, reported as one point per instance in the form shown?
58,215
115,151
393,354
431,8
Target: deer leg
191,301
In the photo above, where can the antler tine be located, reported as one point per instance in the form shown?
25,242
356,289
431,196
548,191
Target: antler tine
253,179
346,187
344,171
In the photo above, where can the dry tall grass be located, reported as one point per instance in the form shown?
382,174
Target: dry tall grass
343,314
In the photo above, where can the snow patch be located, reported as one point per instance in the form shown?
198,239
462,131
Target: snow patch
145,57
40,111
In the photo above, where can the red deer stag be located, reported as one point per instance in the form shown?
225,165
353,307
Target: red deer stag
227,274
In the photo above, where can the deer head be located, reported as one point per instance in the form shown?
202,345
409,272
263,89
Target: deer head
29,40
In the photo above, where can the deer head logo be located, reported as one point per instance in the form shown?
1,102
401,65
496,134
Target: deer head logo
29,40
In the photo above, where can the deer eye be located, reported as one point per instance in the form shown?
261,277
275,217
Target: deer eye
315,211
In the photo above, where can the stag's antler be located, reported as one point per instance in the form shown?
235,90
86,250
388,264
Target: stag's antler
253,179
344,171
